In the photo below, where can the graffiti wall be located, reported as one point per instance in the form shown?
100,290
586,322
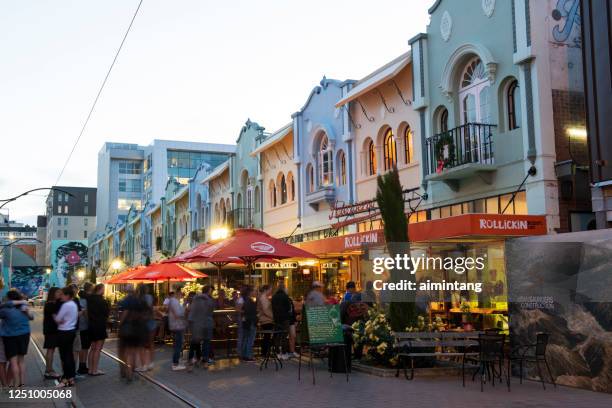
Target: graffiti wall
67,257
561,285
28,279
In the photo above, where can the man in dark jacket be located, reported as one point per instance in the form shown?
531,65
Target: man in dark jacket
282,309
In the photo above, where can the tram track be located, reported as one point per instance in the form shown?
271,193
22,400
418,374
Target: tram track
179,398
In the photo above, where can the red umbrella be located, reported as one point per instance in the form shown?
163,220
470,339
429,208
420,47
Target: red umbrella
183,258
123,277
166,272
250,245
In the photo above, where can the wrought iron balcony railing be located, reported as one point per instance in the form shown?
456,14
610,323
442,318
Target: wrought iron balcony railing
465,144
241,218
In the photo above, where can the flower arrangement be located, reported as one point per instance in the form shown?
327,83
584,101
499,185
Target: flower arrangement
374,335
229,292
191,287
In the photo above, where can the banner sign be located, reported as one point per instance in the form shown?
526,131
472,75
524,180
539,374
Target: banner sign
275,265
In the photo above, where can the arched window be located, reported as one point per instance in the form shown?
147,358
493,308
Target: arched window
310,177
283,189
390,152
371,158
291,182
326,163
257,206
272,192
474,93
513,105
342,168
408,145
443,125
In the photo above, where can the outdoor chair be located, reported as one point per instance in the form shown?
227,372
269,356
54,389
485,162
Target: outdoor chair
490,360
532,353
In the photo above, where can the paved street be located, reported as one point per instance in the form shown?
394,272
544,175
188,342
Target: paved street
231,384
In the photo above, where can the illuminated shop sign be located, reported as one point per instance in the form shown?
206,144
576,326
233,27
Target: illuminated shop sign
276,265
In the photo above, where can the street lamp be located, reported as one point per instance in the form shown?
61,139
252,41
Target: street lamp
219,233
81,274
116,264
10,271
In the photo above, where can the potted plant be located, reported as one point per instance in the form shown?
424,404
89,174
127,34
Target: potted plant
466,317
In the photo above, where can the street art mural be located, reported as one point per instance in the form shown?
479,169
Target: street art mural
562,288
28,279
67,258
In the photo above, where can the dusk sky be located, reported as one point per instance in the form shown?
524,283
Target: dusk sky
190,70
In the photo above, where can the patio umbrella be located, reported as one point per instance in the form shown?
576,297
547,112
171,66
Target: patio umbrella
123,277
250,245
193,255
166,272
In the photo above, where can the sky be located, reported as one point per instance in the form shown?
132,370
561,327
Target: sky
192,70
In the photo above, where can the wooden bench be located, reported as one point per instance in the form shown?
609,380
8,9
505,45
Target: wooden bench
415,344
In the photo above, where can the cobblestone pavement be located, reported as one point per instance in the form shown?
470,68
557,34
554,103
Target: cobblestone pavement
234,384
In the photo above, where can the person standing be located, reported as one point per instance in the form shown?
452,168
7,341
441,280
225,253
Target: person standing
67,320
146,351
15,332
98,312
351,288
201,324
177,325
132,332
51,307
315,296
249,324
282,309
84,328
265,317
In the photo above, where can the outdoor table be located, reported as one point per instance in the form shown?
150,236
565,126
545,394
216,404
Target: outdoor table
273,350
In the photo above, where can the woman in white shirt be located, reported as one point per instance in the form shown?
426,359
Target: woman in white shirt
67,319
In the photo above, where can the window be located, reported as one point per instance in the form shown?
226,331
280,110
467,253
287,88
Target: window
85,221
65,209
124,204
59,221
390,152
130,185
283,190
291,182
86,210
59,209
130,167
85,234
272,192
59,233
310,177
342,167
443,120
65,233
408,145
65,220
86,198
474,93
513,107
371,158
60,197
326,163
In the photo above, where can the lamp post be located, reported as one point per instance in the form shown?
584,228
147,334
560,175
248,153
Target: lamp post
10,271
48,275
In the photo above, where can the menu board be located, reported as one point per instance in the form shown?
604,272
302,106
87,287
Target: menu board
323,324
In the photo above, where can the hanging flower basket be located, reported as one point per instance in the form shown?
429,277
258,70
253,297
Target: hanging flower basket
445,151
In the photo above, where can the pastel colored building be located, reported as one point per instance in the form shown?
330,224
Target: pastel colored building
277,175
385,130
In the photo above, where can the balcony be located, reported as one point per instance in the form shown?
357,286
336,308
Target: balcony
241,218
463,152
322,194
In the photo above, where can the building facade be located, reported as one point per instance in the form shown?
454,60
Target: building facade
71,222
132,175
597,40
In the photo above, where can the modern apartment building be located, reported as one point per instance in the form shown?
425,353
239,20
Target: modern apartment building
130,175
71,217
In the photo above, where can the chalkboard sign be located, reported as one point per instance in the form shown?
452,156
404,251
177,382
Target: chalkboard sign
323,324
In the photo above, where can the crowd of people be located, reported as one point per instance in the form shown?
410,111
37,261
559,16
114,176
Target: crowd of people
76,323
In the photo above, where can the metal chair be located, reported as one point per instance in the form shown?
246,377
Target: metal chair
491,353
532,353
